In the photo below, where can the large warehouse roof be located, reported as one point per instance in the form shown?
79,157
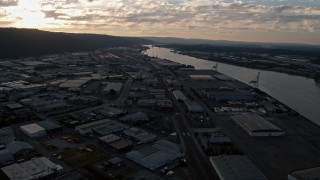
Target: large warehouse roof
152,157
74,83
255,123
36,168
230,167
92,125
16,146
32,128
48,125
116,86
140,134
201,77
179,95
312,173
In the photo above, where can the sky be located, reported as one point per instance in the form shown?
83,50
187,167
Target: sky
288,21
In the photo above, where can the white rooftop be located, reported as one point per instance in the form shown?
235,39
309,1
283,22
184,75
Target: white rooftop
254,122
32,128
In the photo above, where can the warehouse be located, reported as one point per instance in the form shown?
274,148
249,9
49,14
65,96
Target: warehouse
109,138
135,118
154,156
111,111
74,83
50,127
230,167
111,127
256,125
5,156
113,86
225,94
121,145
201,77
179,95
140,135
14,106
101,127
311,173
89,127
193,107
33,130
223,77
6,135
19,147
36,168
115,142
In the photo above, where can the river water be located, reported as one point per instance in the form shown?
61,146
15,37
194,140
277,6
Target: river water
300,93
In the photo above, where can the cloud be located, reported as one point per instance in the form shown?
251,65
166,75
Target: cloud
183,16
7,3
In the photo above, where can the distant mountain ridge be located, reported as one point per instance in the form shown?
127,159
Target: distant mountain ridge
16,42
173,40
31,42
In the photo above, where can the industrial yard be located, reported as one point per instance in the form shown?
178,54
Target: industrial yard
118,114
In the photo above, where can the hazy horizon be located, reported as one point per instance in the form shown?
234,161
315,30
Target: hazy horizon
279,21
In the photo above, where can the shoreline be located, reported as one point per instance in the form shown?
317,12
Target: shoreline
274,69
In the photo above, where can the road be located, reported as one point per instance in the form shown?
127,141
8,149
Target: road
198,162
125,92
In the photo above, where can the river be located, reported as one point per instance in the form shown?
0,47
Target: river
300,93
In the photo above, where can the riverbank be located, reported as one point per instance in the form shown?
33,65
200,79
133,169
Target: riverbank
254,65
299,93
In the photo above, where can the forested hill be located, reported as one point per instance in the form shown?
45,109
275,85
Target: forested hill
31,42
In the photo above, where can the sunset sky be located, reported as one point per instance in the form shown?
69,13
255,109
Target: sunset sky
293,21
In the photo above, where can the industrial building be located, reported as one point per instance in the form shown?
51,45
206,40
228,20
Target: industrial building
218,138
37,168
230,167
89,127
50,126
101,127
109,138
14,106
135,118
33,130
6,135
154,156
201,77
111,111
223,77
114,162
111,127
5,156
140,135
115,86
74,83
19,147
115,142
255,125
310,174
193,107
227,94
179,95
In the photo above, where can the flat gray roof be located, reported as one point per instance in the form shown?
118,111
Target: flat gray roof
312,173
49,125
201,77
230,167
74,83
255,123
32,128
